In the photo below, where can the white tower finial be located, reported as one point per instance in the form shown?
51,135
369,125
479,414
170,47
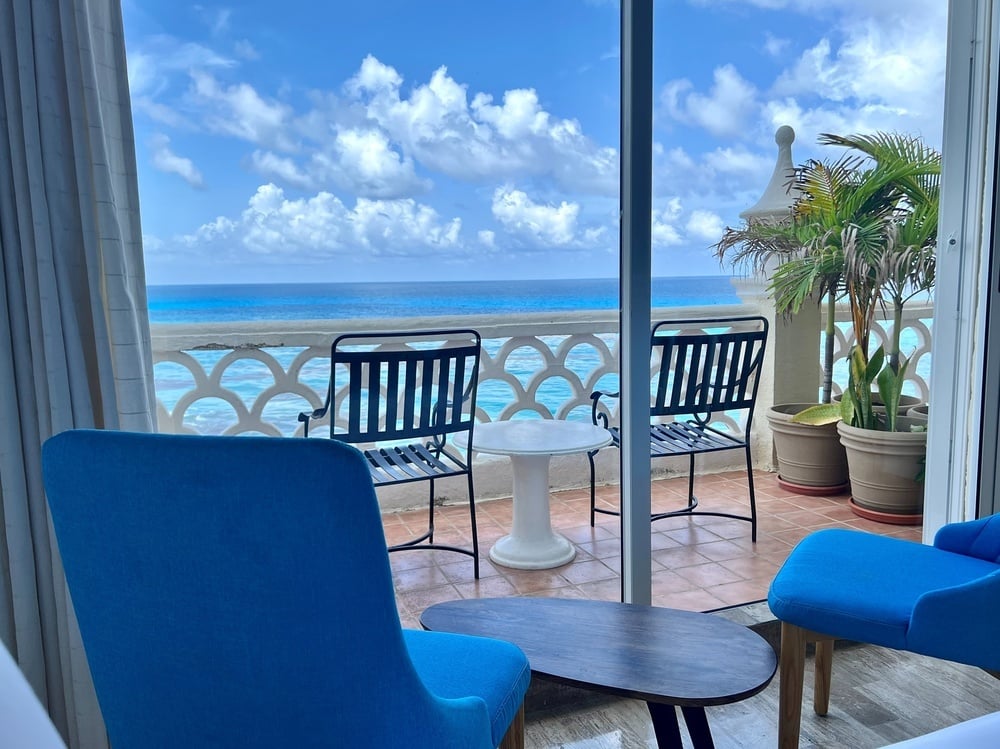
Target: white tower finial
777,200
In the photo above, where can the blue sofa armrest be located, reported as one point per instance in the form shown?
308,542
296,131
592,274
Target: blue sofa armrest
960,623
975,538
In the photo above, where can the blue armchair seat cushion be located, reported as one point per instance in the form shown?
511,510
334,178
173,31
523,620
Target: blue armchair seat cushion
864,587
455,666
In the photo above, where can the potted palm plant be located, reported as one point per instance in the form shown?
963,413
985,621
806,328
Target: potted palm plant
862,227
800,253
889,256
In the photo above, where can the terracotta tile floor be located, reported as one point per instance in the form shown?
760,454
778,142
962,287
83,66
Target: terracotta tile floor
699,563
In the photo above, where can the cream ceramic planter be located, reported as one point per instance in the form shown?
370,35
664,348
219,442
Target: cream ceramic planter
884,467
810,458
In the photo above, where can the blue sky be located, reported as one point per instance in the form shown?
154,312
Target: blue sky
390,140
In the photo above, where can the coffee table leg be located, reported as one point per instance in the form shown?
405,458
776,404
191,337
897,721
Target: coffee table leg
697,723
668,732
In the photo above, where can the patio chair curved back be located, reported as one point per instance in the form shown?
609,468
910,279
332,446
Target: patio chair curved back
702,373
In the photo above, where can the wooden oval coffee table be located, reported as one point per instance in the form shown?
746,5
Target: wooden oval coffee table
666,657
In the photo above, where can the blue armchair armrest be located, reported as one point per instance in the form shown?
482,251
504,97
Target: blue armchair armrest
976,538
960,623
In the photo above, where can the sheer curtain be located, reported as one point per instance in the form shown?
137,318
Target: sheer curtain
74,336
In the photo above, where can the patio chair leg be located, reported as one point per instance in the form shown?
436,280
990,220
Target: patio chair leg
753,498
593,479
430,514
514,738
692,502
791,664
475,532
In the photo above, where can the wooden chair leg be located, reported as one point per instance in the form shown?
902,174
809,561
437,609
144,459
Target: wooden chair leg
824,670
791,665
514,738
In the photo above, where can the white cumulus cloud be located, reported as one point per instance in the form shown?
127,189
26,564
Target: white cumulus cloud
240,111
705,225
538,223
322,226
481,140
723,111
164,159
665,232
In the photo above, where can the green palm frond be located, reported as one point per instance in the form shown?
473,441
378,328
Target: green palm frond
863,226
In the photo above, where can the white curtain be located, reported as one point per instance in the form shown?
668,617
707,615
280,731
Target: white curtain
74,336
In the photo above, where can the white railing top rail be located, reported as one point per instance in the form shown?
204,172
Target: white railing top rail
280,333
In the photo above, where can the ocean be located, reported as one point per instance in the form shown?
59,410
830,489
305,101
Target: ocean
269,302
326,301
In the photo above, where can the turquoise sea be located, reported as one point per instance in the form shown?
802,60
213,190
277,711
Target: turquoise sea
270,302
324,301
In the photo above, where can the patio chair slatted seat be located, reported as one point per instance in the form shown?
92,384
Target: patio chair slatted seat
399,396
706,370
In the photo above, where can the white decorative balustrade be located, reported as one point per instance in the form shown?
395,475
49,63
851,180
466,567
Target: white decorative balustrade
255,378
915,343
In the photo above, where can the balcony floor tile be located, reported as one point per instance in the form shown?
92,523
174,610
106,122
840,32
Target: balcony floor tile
699,563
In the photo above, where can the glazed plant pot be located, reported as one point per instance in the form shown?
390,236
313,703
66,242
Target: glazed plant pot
886,470
811,459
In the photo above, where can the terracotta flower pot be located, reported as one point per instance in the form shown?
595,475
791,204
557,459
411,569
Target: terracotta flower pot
811,459
884,470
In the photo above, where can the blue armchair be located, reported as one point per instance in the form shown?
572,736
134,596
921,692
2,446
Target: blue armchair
236,592
941,600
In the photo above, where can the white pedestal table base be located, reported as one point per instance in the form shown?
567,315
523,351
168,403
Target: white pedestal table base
532,544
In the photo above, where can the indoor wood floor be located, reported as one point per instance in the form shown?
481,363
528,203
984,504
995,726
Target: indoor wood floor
879,696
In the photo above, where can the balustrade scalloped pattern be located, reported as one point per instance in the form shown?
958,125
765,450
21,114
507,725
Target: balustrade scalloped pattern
915,343
261,390
526,376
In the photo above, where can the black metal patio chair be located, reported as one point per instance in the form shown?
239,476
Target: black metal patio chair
399,396
704,383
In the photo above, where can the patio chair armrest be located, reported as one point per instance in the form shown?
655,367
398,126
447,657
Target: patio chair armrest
975,538
599,417
934,630
306,417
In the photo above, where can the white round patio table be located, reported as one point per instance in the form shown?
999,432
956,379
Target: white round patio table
532,544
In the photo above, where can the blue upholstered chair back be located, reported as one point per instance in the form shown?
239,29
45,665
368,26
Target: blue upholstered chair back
976,538
236,591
